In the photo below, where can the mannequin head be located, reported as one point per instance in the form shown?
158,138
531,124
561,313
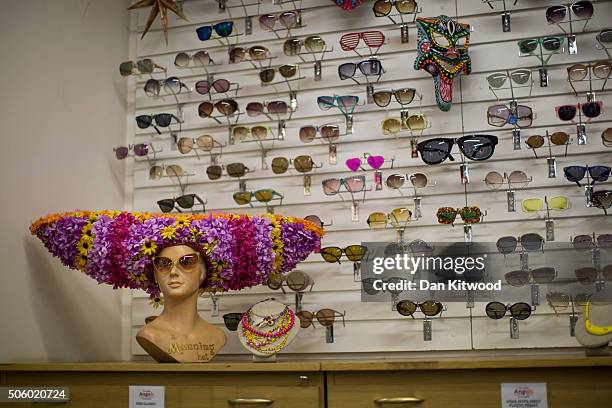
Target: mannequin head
179,271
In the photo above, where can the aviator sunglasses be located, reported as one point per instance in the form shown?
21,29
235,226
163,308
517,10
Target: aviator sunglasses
474,147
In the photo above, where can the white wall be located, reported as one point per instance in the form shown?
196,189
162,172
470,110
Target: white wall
491,50
63,107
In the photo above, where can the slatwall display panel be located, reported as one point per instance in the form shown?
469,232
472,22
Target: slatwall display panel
491,50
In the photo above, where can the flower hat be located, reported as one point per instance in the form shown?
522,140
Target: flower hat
117,247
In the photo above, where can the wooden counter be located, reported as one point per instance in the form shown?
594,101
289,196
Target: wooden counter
573,382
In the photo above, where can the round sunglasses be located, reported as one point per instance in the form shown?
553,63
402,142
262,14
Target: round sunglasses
497,310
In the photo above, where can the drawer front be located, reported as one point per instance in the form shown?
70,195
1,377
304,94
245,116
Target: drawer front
567,387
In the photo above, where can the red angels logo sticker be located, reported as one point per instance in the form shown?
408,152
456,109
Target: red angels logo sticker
146,395
523,392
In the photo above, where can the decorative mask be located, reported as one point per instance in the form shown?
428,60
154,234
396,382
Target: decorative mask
442,51
348,4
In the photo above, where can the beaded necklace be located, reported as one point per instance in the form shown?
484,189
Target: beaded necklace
259,340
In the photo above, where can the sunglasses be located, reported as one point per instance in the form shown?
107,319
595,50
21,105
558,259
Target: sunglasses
199,59
214,172
538,204
499,115
559,301
398,217
223,29
333,254
143,66
418,180
232,320
353,184
171,85
373,39
288,19
256,53
185,201
313,44
161,120
557,138
302,164
588,241
263,196
258,133
516,179
316,220
586,276
549,43
474,147
330,133
375,162
518,76
589,109
325,317
237,170
393,126
602,199
219,85
204,142
429,308
140,149
172,170
600,69
188,263
346,103
577,173
403,96
497,310
581,9
370,67
287,71
382,8
296,280
254,109
225,107
469,215
539,275
529,242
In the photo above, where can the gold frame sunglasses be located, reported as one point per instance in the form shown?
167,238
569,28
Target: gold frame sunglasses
398,217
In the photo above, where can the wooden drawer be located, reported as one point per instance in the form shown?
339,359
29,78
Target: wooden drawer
570,387
183,389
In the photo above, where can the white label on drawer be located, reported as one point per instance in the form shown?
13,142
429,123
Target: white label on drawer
524,395
146,396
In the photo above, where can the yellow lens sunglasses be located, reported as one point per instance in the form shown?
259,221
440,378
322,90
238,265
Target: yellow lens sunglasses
538,204
399,217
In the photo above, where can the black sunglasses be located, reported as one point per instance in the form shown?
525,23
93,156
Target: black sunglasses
577,173
497,310
185,201
474,147
161,120
370,67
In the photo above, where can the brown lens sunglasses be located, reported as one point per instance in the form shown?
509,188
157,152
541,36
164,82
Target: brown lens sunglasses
325,317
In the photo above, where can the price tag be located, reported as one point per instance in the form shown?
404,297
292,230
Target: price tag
145,396
524,395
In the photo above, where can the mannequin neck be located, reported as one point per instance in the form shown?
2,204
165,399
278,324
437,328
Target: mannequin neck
183,313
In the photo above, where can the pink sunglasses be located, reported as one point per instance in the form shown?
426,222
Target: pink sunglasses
375,162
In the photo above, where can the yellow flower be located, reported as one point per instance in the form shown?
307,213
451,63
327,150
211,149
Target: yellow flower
81,262
156,301
84,246
87,233
149,247
195,233
182,222
93,217
168,232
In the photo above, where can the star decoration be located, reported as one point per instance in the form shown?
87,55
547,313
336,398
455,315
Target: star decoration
160,7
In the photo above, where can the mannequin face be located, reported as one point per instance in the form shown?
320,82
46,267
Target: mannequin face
179,271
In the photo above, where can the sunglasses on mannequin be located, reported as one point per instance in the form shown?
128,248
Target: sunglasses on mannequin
187,263
474,147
